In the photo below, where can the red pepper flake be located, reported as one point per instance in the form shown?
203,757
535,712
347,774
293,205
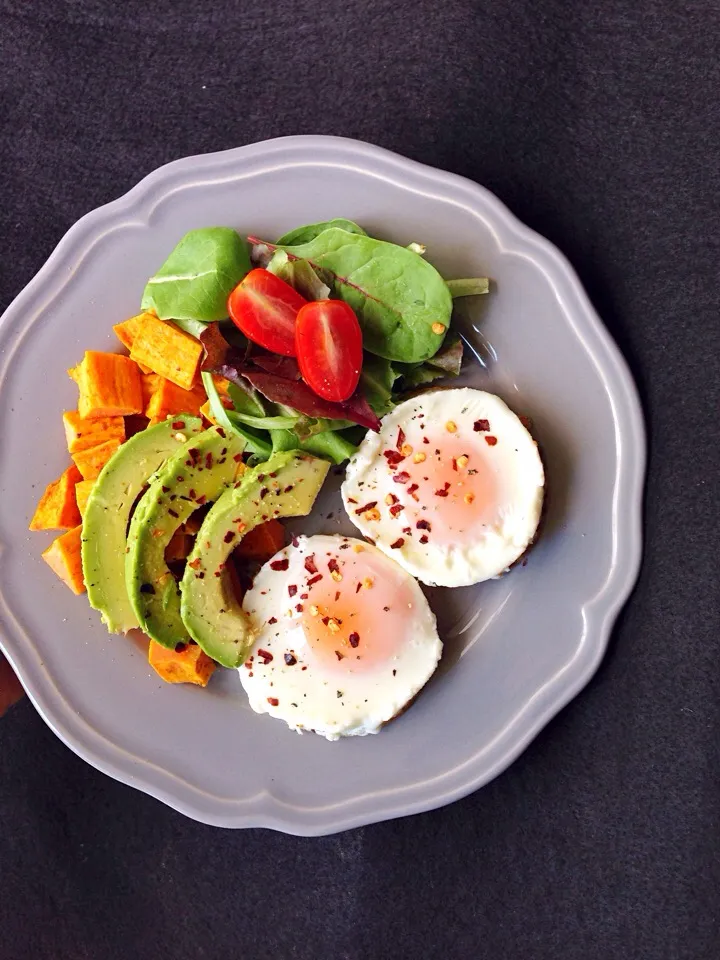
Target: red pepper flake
192,494
237,457
326,621
208,461
174,514
337,596
396,509
526,422
166,489
310,564
407,530
481,426
299,607
400,438
393,457
264,492
443,492
229,537
354,639
178,424
401,477
200,500
220,432
358,587
411,490
425,439
454,464
333,565
368,506
491,441
265,656
195,563
290,660
351,500
280,564
292,589
273,701
423,539
340,656
398,543
423,525
314,579
199,576
272,620
390,499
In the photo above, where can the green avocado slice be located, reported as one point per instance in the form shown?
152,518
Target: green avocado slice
286,485
197,474
108,511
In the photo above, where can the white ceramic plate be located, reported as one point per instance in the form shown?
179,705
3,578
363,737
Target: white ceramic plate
517,649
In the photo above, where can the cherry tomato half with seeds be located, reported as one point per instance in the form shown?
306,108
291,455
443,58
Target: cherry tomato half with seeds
264,308
328,344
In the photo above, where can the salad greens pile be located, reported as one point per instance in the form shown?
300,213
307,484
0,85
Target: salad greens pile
402,303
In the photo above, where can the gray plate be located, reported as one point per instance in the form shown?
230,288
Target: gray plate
517,649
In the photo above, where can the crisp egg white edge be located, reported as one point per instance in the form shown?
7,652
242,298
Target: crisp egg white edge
435,564
260,608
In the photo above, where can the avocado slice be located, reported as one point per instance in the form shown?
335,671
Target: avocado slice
196,474
284,486
108,511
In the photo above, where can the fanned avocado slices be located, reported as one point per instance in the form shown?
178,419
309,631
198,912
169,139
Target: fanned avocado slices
285,486
108,510
195,475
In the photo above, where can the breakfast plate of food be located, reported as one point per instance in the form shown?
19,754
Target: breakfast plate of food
307,438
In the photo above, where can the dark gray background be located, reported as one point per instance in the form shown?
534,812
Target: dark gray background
598,124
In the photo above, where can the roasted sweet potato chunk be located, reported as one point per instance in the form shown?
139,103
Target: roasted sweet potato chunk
63,557
188,664
91,461
167,350
81,433
110,386
58,508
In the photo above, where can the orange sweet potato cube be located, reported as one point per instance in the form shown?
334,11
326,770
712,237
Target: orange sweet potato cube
81,433
186,665
82,492
91,461
150,383
58,508
167,350
63,557
125,332
168,399
110,386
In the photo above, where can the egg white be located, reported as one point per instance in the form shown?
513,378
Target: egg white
482,549
340,702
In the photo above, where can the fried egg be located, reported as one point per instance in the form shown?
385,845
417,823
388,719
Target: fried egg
344,637
451,487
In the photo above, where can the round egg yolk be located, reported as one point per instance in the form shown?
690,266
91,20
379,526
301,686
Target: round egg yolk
358,610
447,483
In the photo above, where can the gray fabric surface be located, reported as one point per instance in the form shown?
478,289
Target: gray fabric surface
598,124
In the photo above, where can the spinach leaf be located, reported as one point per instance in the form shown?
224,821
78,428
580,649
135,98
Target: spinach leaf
468,288
311,230
330,445
397,295
193,327
226,419
195,280
377,378
300,275
445,363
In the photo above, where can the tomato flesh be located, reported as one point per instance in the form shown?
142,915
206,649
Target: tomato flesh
328,344
265,308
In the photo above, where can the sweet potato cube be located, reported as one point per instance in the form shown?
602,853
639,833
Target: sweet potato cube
125,332
167,350
186,665
168,400
150,383
110,386
58,508
91,461
179,546
82,492
63,556
262,542
82,433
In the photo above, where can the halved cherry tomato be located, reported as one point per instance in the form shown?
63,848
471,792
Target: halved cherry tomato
328,343
264,307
